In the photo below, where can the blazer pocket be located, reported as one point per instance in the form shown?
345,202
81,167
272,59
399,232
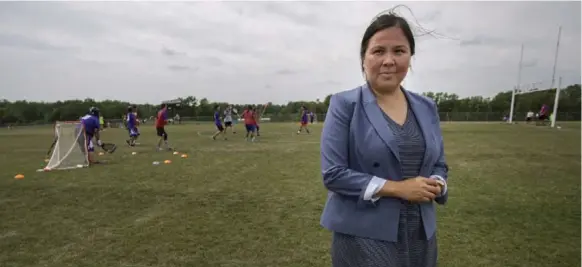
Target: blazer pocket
365,204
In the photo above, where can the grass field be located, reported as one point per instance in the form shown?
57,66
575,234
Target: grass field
514,200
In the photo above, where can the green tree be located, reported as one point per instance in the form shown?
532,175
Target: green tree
451,107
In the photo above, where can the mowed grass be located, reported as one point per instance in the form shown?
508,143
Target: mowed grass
514,200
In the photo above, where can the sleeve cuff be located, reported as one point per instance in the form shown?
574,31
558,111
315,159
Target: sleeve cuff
441,179
373,188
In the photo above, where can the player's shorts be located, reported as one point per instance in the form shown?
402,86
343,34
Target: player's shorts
528,119
250,127
219,127
161,131
227,123
90,146
542,117
303,123
133,132
86,143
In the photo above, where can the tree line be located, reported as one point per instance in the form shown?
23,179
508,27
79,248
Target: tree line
450,105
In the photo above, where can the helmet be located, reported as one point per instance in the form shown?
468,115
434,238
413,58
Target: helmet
94,111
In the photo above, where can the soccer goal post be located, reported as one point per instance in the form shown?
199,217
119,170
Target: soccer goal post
69,148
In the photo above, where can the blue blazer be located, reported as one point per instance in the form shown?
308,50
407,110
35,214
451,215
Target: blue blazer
356,145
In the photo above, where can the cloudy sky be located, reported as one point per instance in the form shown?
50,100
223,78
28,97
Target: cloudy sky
254,52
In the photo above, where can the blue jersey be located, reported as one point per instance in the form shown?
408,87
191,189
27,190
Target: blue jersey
131,120
217,118
91,124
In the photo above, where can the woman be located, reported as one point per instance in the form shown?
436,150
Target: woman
382,160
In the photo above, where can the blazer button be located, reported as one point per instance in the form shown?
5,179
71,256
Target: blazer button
376,165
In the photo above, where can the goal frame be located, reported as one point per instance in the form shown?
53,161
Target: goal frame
86,152
516,91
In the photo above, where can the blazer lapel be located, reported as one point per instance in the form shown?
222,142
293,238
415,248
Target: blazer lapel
421,111
376,117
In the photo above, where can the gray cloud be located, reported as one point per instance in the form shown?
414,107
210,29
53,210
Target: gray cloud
171,52
298,16
484,40
21,41
209,61
178,68
246,52
529,63
286,72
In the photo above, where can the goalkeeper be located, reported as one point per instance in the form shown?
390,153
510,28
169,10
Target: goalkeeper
90,123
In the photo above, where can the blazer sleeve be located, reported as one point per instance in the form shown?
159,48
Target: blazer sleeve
440,169
337,176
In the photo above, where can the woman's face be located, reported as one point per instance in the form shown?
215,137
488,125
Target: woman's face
387,59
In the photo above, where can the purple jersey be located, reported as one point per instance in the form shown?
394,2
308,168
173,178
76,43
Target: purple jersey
131,120
91,124
217,118
545,109
304,116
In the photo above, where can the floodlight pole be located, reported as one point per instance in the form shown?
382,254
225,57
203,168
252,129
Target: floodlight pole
517,86
556,102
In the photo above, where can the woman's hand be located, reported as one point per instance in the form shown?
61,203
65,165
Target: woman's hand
418,189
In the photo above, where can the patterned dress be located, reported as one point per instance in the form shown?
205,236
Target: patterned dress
412,248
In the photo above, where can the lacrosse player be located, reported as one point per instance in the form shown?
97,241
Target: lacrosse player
228,112
304,120
220,129
131,126
250,123
161,121
90,123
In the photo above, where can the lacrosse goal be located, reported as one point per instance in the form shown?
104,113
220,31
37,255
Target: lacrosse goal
69,147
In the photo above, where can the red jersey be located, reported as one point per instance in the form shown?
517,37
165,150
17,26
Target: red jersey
162,117
249,117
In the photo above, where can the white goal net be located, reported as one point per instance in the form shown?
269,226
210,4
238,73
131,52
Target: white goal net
69,150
